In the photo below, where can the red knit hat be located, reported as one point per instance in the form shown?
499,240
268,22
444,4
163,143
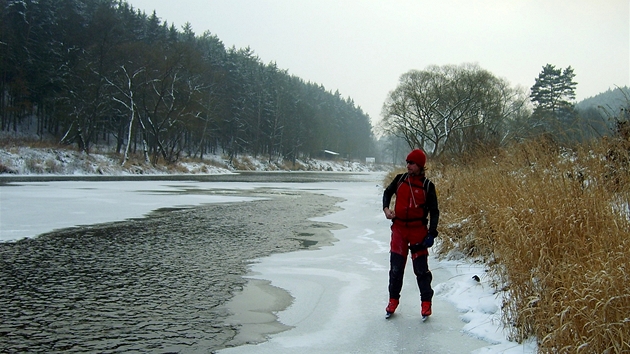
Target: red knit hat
418,157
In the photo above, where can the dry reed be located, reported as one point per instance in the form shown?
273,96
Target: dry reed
553,226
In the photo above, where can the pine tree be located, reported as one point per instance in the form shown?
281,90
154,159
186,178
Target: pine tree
554,91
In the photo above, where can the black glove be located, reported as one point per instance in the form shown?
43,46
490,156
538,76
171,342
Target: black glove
417,247
428,240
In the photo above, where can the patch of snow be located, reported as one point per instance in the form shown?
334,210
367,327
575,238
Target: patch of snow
23,160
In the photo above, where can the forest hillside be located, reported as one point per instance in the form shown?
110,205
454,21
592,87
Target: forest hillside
99,72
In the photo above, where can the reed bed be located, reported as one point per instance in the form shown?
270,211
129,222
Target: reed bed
553,226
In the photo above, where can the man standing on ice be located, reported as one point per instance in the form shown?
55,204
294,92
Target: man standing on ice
414,227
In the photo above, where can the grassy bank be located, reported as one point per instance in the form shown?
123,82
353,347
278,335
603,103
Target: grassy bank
553,226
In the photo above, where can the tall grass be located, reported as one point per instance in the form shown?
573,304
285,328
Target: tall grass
553,225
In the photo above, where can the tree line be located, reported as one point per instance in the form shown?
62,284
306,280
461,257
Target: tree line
101,72
458,109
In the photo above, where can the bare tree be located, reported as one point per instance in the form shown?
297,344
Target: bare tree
449,108
127,89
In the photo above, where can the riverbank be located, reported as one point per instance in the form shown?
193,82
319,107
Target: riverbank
28,160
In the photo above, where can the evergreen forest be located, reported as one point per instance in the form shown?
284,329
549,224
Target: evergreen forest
89,72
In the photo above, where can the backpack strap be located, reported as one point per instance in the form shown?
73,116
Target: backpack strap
400,181
425,185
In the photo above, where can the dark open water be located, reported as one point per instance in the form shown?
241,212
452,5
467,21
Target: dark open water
155,284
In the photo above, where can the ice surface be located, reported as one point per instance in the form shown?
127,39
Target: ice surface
339,292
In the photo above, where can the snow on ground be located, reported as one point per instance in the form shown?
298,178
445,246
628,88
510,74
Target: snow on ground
23,160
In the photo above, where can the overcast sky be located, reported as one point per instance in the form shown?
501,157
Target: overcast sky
361,47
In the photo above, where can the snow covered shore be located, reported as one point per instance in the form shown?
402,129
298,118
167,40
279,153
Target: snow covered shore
24,160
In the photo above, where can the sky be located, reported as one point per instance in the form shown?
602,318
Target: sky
362,47
336,294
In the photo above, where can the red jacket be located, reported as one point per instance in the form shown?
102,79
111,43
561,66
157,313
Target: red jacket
416,201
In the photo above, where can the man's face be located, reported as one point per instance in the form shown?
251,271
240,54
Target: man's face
412,168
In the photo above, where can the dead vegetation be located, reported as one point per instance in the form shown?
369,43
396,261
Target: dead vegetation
553,226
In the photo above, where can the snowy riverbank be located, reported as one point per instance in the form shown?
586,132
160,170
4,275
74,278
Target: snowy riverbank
24,160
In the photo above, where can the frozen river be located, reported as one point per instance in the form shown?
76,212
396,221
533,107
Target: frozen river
197,264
